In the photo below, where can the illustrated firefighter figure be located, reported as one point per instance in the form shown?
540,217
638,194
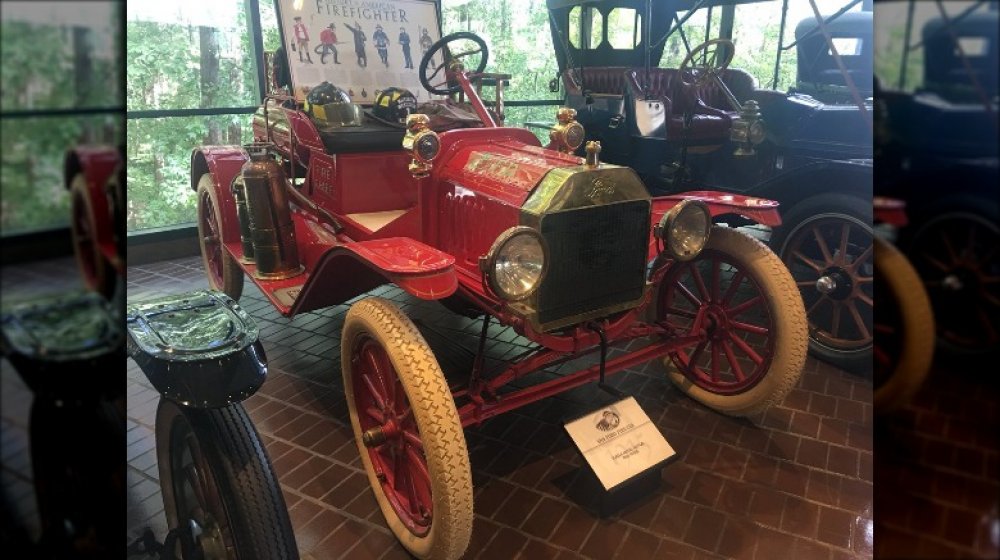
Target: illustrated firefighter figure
404,43
425,44
301,39
381,41
359,43
327,44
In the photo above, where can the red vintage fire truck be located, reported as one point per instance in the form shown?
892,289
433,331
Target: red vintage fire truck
573,253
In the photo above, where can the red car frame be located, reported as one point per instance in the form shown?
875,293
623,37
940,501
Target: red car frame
572,253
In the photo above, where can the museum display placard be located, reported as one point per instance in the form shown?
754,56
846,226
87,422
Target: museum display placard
619,441
359,46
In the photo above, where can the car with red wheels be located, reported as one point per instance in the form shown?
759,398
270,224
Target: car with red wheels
330,202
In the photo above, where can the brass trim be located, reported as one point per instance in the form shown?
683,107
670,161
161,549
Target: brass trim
279,275
567,188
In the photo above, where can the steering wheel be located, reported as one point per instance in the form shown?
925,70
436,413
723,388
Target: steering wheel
712,67
445,45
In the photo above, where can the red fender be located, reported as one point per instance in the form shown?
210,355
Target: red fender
97,164
348,269
224,164
760,210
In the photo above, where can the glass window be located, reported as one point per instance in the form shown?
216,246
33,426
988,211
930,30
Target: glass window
624,28
847,46
58,56
189,54
159,162
519,41
973,46
586,27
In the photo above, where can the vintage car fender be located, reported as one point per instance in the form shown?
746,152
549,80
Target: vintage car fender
224,164
349,269
97,164
847,177
760,210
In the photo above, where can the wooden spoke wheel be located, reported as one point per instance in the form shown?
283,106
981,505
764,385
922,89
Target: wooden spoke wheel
408,430
826,244
97,273
224,273
219,486
958,257
741,302
904,345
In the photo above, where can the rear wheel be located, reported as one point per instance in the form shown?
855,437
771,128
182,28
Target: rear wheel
408,430
98,274
740,301
827,246
904,346
956,254
219,485
224,273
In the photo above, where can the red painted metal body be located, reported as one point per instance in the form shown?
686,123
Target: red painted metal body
426,235
891,211
97,164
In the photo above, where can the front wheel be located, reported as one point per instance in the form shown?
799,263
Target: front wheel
904,347
218,484
741,302
407,430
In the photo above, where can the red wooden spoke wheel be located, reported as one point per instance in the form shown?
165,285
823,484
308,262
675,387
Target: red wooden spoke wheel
904,347
388,428
96,271
742,303
224,273
408,430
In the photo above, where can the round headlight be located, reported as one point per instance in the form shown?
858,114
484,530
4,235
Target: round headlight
757,132
685,229
426,146
574,136
516,263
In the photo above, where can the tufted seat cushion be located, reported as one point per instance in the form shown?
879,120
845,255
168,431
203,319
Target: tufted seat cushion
612,80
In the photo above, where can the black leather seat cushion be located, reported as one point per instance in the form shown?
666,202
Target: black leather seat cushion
371,136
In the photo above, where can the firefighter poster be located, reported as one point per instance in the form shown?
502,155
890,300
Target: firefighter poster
360,46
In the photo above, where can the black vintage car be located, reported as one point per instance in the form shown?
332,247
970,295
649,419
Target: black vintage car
706,125
817,71
938,152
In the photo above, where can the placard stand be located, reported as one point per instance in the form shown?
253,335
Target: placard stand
623,450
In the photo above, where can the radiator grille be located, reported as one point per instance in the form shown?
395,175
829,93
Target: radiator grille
597,258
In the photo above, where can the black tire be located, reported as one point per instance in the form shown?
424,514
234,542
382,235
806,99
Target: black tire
966,313
224,273
97,273
905,324
830,213
756,269
248,518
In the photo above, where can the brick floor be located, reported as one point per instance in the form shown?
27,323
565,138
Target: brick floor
794,483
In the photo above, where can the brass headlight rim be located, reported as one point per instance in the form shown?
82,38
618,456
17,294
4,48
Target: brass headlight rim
491,261
415,151
566,136
668,219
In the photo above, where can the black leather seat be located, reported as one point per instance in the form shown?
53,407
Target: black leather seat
371,136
